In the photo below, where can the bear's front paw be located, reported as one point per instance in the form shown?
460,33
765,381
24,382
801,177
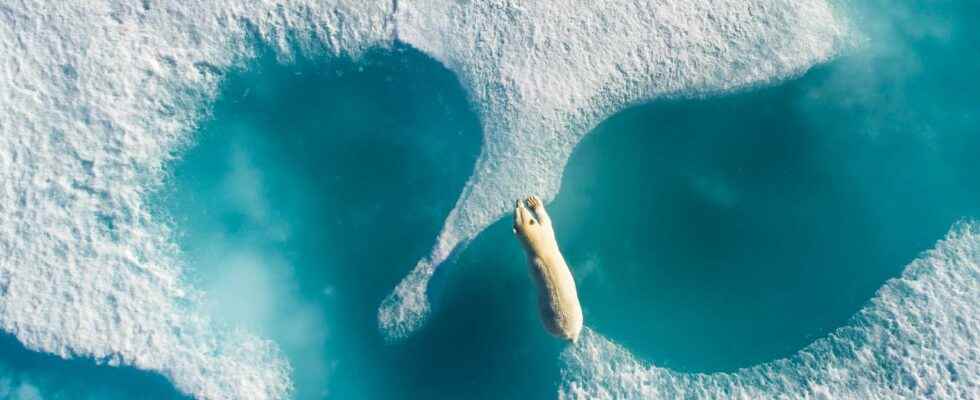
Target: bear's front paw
535,202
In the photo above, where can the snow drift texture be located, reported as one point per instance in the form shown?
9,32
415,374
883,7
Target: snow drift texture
96,96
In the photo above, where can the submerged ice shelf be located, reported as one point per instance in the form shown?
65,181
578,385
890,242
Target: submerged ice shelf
96,98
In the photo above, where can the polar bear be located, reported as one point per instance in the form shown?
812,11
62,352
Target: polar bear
557,297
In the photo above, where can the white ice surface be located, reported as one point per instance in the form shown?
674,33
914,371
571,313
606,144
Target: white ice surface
96,96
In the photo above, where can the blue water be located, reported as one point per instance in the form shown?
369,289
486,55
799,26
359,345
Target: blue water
704,234
27,375
734,231
722,233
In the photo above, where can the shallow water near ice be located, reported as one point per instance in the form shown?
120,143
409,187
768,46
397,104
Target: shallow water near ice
719,233
29,375
699,230
301,174
873,154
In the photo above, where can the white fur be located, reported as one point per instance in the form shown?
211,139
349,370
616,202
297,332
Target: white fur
557,297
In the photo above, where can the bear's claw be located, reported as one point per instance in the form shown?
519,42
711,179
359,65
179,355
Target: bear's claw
534,202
